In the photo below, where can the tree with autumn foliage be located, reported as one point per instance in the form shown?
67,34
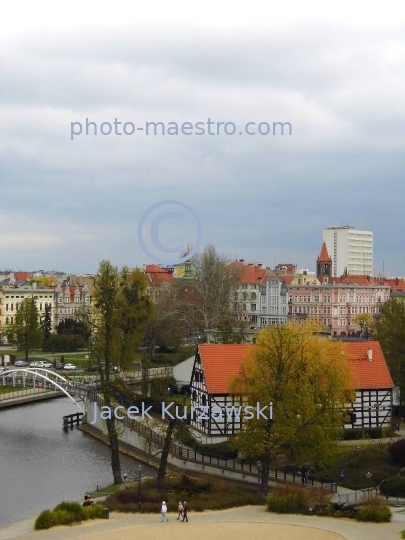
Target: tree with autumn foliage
366,323
113,330
308,383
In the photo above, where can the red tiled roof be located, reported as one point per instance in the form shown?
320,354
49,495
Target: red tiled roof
221,363
355,279
249,273
21,276
396,284
286,279
324,255
157,275
368,373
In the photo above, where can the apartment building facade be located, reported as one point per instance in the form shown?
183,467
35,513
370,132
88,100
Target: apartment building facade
11,297
351,250
335,306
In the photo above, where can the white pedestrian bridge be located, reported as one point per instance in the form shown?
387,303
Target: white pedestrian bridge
45,379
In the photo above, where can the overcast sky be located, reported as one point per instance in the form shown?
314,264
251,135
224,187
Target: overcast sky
334,70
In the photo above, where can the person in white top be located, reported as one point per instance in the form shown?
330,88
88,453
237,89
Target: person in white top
163,511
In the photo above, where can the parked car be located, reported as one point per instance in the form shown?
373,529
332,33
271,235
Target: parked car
38,364
69,366
46,364
21,363
59,365
4,370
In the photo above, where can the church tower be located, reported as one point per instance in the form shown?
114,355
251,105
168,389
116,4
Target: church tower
324,265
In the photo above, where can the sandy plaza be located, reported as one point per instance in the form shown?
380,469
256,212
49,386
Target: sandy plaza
247,523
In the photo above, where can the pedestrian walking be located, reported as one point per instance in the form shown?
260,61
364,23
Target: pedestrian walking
163,512
185,510
180,510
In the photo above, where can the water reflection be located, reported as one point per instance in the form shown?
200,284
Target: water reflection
41,464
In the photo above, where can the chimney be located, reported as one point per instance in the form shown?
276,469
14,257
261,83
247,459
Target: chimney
370,354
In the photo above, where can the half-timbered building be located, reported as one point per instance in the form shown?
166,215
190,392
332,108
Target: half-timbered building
214,368
373,402
216,365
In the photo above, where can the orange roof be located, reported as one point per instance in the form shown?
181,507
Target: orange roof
396,284
355,279
368,373
157,275
285,278
21,276
249,273
221,363
324,255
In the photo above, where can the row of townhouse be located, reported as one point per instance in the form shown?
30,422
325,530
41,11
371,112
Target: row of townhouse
64,300
268,297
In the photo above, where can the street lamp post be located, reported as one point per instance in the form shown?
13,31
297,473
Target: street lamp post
139,487
259,470
368,476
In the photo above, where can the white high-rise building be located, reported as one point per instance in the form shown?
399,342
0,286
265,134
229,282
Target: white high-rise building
351,250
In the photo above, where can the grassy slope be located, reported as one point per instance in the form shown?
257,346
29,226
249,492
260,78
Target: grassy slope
371,458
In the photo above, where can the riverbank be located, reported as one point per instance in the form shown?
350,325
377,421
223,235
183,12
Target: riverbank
249,522
124,448
27,396
61,465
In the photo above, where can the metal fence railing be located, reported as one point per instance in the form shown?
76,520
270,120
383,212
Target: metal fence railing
237,465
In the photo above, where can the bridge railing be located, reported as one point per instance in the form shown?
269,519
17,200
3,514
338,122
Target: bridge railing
187,454
13,394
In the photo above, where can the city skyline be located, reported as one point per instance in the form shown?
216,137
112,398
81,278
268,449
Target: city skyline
336,75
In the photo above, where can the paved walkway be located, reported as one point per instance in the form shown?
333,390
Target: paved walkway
247,523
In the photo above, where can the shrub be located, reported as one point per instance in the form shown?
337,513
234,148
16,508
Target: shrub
336,510
44,520
377,513
372,433
60,517
397,452
294,498
67,512
74,509
94,512
394,486
283,504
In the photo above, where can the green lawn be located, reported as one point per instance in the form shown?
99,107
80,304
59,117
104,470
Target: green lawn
371,458
8,389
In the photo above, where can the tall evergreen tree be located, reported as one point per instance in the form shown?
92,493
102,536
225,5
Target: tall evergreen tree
46,322
25,331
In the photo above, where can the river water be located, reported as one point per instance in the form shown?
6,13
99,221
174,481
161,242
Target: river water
42,465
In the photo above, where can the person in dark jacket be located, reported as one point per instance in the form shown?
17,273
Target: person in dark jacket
185,510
